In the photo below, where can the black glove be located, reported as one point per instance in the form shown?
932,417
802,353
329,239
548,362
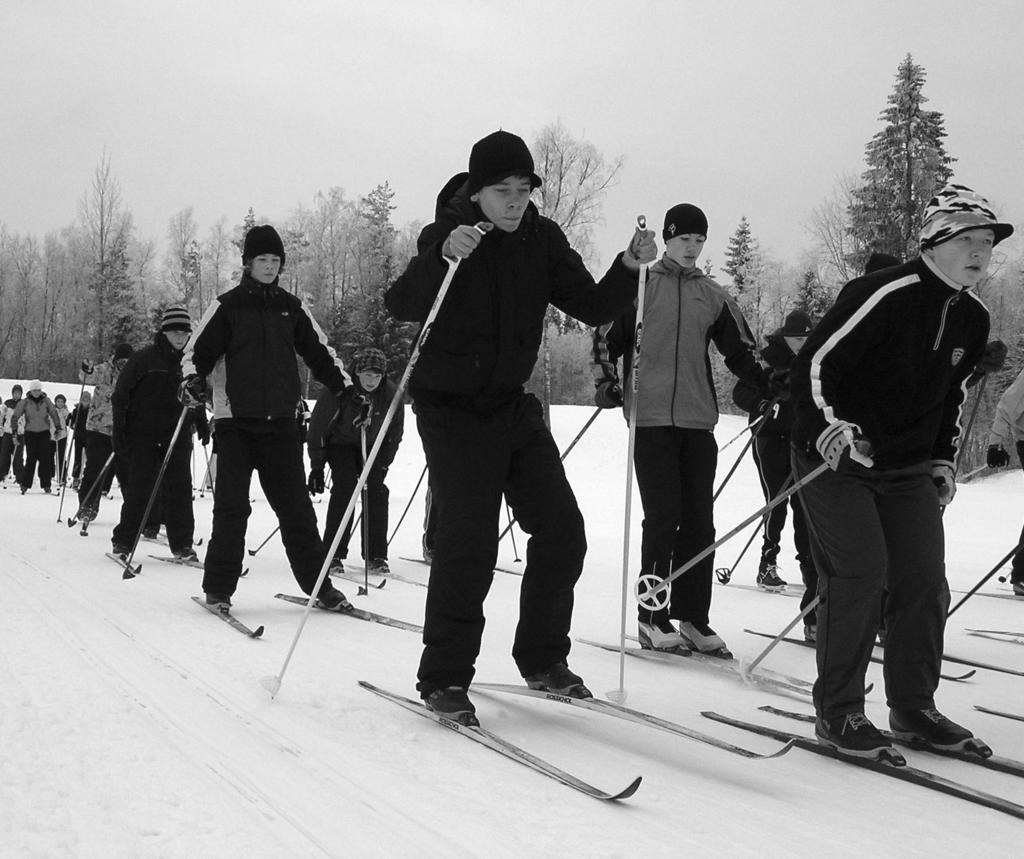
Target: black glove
87,368
608,395
361,403
997,456
193,391
203,434
316,483
993,358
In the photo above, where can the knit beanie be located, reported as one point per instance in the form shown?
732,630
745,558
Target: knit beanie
956,209
176,318
684,219
370,360
797,324
122,351
262,239
498,156
35,385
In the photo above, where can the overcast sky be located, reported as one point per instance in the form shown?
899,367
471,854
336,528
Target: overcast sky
744,108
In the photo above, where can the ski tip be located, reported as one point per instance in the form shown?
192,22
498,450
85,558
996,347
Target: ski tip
257,633
629,791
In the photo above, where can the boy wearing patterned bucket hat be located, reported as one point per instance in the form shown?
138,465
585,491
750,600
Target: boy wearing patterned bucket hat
879,391
336,436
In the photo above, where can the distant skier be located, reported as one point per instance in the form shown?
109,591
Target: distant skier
771,455
40,420
12,452
335,438
878,391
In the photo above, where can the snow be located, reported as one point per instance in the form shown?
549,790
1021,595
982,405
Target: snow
132,723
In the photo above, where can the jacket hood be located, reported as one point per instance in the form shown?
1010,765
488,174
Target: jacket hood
667,265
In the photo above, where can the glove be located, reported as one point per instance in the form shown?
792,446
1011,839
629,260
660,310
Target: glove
87,368
193,391
361,402
461,242
993,358
641,250
997,456
203,434
19,440
608,395
841,443
316,483
944,480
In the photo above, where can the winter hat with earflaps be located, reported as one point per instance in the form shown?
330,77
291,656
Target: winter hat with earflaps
956,209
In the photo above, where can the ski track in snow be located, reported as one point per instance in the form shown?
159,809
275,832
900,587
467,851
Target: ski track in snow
134,724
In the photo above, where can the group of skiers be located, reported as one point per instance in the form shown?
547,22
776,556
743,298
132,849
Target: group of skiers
862,412
34,437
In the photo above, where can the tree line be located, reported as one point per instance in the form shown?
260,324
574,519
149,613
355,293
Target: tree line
81,289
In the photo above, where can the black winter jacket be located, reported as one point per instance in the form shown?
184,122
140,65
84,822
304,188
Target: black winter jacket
893,356
778,419
484,342
330,425
246,345
145,399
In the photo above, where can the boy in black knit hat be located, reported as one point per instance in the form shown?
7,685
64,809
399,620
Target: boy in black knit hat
337,437
675,451
243,357
482,434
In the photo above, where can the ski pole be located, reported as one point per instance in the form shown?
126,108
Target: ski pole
746,671
129,571
1005,560
273,684
401,518
736,437
619,695
648,587
92,489
508,513
206,477
753,434
724,574
364,497
69,452
561,458
252,552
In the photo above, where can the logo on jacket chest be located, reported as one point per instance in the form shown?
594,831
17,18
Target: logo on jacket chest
958,355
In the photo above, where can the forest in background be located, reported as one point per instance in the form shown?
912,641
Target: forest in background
77,291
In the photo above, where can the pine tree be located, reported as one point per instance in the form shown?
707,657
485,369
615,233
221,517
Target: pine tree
812,296
907,164
740,255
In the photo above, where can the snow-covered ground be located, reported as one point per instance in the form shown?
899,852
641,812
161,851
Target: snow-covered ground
132,723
